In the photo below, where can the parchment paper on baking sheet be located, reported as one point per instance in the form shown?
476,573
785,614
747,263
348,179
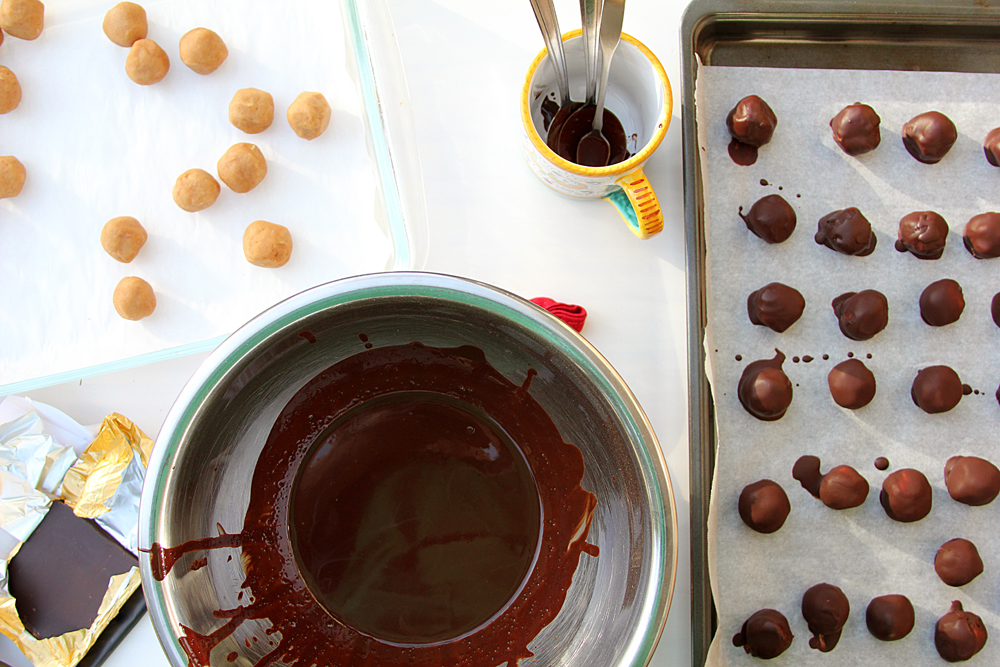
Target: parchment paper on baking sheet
96,145
860,550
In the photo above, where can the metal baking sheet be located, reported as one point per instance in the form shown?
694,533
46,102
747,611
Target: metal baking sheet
911,35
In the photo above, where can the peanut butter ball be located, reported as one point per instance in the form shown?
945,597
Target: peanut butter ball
267,244
309,115
125,23
134,298
202,50
10,90
195,190
251,110
147,63
123,237
242,167
11,176
22,18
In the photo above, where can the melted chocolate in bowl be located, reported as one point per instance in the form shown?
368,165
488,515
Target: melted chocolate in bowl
415,520
411,506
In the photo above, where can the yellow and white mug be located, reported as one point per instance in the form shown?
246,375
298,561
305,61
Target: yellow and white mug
639,94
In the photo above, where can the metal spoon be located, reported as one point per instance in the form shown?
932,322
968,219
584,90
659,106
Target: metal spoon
594,150
590,14
545,14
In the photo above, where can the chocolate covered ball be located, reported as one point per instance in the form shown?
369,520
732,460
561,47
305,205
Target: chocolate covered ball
847,231
825,609
889,617
764,506
765,634
982,235
923,234
929,136
856,129
942,303
936,389
906,495
776,306
995,309
972,480
991,146
771,218
751,121
764,390
959,634
852,385
843,488
957,562
862,314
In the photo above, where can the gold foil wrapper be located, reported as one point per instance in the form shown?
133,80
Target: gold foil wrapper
93,481
104,484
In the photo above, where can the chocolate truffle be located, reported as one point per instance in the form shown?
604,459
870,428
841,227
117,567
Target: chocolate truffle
764,506
852,385
942,303
771,218
825,608
889,617
959,634
862,314
764,389
936,389
982,235
751,121
923,233
929,136
765,634
957,562
847,231
775,306
855,129
995,309
906,495
991,146
840,489
972,480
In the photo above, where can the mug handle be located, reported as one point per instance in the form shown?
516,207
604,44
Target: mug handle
637,204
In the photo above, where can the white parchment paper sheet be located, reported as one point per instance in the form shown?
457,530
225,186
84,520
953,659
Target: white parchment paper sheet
96,145
860,550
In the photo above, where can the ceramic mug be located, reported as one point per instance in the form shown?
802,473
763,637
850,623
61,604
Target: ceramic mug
639,94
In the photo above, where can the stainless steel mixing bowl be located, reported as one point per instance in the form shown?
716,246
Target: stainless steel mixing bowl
203,462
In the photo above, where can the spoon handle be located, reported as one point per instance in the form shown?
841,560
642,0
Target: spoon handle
611,33
545,14
590,11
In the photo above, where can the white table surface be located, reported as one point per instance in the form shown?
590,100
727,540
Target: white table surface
489,219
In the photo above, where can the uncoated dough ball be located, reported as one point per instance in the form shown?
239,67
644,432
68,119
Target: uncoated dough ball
10,90
251,110
22,18
11,176
309,115
195,190
242,167
147,63
123,237
267,244
202,50
125,23
134,298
